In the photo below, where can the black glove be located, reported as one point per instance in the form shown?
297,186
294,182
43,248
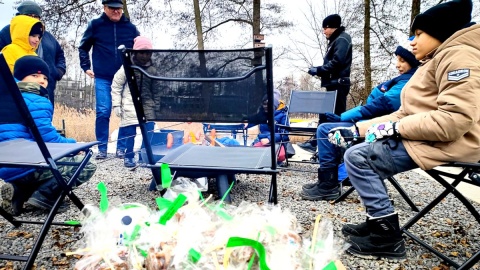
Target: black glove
312,71
331,117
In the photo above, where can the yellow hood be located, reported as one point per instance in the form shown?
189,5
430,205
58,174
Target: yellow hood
20,27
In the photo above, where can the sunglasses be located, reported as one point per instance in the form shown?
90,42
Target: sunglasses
114,8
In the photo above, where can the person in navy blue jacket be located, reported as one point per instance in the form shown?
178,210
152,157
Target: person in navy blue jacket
49,49
37,187
105,34
384,99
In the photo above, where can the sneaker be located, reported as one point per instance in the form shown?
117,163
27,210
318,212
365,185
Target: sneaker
12,200
101,155
307,146
40,202
120,154
129,162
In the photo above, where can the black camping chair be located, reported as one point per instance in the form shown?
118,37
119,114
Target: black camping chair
34,154
470,175
211,86
311,102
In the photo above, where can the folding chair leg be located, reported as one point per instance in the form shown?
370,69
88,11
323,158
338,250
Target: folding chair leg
449,188
272,197
9,217
470,262
344,195
404,195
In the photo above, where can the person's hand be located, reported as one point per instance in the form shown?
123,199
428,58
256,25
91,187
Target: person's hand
312,71
90,73
343,136
245,125
331,117
265,141
118,111
381,130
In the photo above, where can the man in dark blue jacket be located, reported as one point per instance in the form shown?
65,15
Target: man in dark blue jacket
105,34
49,49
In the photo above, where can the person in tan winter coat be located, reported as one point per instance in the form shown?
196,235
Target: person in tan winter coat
122,102
438,122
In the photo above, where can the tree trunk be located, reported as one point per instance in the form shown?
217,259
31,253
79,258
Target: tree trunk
125,9
256,18
198,24
415,12
366,53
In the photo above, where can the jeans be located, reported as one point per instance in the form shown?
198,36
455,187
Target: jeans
126,140
369,164
104,109
328,154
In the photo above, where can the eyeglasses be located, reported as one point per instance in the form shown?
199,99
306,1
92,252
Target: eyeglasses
114,8
33,16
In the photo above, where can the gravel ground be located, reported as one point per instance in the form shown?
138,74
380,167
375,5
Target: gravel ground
450,227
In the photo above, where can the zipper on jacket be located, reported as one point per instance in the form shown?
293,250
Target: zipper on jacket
115,41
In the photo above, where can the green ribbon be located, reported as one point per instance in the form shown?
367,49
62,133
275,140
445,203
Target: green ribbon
163,203
330,266
166,175
194,255
102,188
239,241
72,222
173,208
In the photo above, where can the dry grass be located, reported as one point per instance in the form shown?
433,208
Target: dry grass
80,124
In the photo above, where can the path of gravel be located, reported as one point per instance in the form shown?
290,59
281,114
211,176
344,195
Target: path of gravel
450,218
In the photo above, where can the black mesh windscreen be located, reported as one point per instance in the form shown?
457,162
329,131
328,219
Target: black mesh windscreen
178,85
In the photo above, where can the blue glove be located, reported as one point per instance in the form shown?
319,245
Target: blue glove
331,117
343,136
312,71
381,130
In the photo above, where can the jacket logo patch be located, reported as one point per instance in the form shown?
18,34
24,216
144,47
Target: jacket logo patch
458,74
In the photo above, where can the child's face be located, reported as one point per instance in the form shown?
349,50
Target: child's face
423,43
37,78
142,58
402,65
34,40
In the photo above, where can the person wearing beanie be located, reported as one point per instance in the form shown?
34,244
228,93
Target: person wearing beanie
25,185
48,49
383,99
122,99
438,123
103,35
26,36
335,71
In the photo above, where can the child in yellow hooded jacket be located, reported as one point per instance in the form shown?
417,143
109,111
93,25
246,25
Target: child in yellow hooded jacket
26,35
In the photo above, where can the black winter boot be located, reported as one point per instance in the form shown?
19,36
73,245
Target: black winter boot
384,240
350,229
327,187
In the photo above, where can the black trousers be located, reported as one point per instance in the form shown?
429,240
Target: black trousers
342,93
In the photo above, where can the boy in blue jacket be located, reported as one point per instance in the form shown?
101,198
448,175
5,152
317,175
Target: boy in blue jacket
37,187
384,99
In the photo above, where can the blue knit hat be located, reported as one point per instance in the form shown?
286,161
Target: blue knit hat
29,7
405,51
28,65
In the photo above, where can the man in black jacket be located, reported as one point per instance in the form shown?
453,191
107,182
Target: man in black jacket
335,71
49,49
